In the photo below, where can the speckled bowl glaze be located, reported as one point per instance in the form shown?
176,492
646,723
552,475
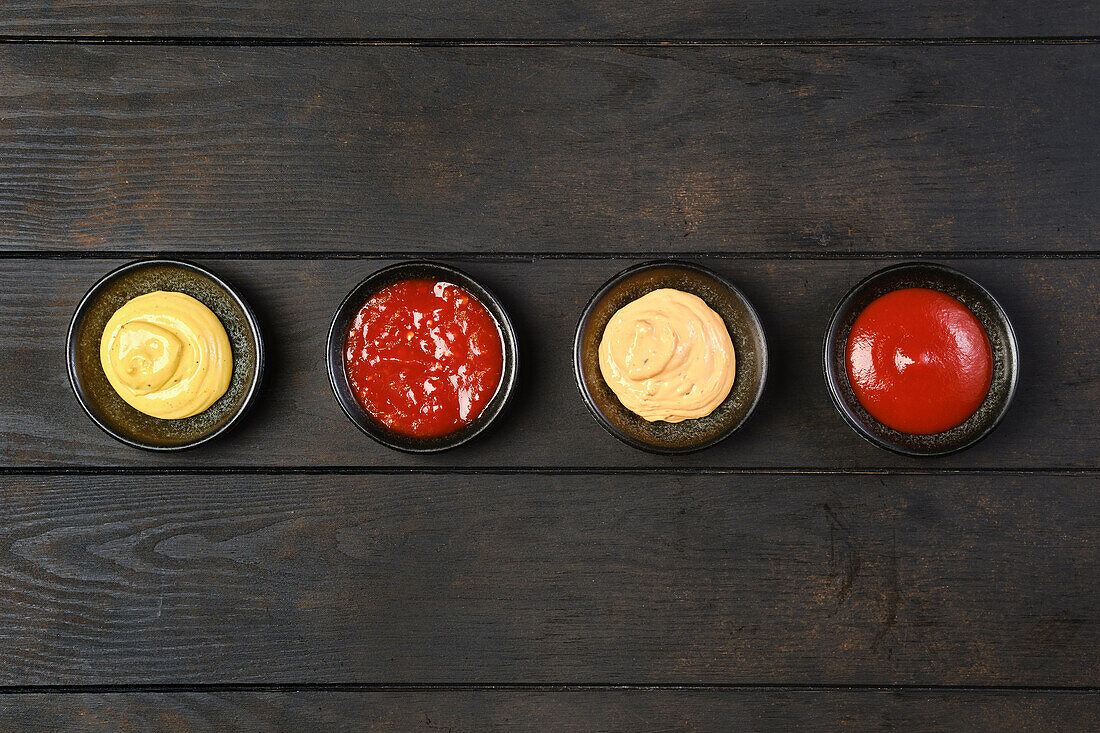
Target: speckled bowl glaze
337,371
749,343
998,328
98,397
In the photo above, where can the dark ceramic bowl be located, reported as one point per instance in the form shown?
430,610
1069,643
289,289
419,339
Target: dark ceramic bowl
1002,339
98,397
337,372
750,351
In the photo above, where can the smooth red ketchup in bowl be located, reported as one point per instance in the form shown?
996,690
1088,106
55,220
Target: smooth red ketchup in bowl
919,361
423,357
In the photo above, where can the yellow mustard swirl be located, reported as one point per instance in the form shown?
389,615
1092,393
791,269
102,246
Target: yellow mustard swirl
668,356
167,355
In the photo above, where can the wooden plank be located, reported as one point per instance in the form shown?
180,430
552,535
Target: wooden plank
551,19
1052,423
824,150
479,579
568,710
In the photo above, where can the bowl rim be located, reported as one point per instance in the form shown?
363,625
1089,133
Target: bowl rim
1012,352
578,348
250,318
367,424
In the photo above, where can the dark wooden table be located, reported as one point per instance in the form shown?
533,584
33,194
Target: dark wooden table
295,574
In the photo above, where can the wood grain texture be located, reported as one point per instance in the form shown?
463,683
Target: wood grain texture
568,710
549,19
788,579
1052,423
547,553
512,150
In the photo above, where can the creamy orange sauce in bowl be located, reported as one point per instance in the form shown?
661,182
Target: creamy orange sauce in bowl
668,356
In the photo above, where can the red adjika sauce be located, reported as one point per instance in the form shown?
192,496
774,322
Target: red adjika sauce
423,357
919,361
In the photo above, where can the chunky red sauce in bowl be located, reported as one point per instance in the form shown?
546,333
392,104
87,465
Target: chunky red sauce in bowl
919,361
421,357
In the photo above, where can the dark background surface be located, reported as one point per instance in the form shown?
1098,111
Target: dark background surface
297,575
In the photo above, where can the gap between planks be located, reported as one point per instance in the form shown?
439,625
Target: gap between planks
544,42
528,470
115,254
522,687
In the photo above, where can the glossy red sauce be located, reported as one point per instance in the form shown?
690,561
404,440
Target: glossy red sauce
919,361
423,357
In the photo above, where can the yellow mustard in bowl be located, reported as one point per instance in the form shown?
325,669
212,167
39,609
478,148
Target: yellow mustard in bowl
668,356
167,355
